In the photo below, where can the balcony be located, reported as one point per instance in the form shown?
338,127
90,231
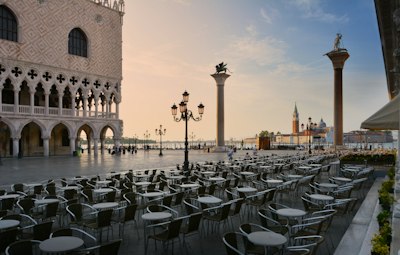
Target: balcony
55,111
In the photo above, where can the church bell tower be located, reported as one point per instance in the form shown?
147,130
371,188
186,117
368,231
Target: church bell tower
295,121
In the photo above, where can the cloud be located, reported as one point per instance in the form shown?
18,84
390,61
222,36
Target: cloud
312,10
265,16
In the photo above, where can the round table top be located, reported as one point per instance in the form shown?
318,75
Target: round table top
246,189
4,224
208,172
153,194
175,177
247,173
142,183
304,167
321,197
46,201
216,178
266,238
103,182
274,181
69,188
61,244
265,167
294,176
105,205
209,200
156,216
10,196
290,212
328,185
189,185
103,190
342,179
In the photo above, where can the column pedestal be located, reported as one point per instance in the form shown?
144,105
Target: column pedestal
220,139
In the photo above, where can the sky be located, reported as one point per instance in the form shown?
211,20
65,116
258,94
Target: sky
274,50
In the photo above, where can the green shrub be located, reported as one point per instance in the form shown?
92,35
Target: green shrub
379,246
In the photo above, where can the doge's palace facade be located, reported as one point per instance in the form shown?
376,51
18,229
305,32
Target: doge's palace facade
60,75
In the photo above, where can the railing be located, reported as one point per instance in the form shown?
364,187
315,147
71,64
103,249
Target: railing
41,110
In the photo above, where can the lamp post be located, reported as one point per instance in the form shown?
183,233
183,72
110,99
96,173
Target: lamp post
146,136
186,115
135,141
309,128
160,132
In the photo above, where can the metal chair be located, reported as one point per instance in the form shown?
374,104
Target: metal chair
25,247
168,235
234,243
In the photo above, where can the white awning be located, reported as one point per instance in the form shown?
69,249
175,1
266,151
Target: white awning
387,118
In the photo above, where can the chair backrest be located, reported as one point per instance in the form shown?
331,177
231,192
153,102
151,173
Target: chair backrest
110,248
26,205
194,222
37,189
110,196
130,212
238,206
167,200
7,237
18,187
190,208
178,198
88,195
25,247
7,204
174,228
42,231
231,243
130,197
51,210
104,218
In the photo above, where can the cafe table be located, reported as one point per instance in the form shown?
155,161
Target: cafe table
267,239
60,244
105,205
6,224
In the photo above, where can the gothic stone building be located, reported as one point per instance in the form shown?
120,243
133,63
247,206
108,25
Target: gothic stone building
60,75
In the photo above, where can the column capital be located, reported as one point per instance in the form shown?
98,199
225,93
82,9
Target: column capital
220,78
338,58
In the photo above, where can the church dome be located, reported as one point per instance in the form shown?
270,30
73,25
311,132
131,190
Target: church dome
322,124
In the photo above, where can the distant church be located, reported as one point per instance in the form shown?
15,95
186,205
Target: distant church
61,73
318,133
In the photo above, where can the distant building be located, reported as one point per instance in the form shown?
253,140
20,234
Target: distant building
318,134
60,73
362,136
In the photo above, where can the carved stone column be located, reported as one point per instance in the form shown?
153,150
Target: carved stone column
46,146
338,58
15,146
220,80
16,101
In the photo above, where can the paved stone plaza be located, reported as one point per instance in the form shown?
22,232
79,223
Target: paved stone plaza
30,170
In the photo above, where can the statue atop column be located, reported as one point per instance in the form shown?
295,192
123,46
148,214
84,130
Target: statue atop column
337,43
221,67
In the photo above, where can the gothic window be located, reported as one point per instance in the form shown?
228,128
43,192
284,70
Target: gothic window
77,43
8,24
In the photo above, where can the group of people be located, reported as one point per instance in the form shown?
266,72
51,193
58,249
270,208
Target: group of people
232,150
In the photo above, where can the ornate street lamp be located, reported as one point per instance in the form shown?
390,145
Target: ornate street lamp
186,115
160,132
309,128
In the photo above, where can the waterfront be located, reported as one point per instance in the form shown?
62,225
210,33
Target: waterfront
31,169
